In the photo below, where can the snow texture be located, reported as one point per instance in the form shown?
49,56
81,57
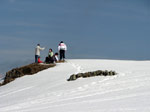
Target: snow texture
49,90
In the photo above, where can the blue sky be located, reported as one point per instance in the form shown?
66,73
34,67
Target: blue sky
111,29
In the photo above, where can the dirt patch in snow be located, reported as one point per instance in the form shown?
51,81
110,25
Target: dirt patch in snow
92,74
25,70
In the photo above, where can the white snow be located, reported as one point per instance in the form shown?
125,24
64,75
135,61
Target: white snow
49,90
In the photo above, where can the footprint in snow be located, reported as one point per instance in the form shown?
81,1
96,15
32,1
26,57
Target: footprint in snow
93,83
86,86
78,67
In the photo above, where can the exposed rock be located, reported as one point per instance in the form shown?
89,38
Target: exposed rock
25,70
73,77
92,74
79,75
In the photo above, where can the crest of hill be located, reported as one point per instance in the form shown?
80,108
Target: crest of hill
25,70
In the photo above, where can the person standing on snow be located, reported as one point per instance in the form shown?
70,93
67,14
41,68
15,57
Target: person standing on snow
37,52
62,48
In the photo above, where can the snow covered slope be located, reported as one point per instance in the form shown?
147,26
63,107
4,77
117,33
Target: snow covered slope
49,90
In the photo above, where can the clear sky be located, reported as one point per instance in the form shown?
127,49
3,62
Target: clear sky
110,29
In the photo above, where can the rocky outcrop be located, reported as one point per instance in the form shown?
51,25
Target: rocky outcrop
25,70
92,74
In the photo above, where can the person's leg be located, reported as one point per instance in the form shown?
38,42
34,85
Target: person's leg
63,54
36,58
51,60
60,52
46,60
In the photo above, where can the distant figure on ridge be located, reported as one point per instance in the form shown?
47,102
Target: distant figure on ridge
55,57
37,52
50,53
39,61
62,48
49,59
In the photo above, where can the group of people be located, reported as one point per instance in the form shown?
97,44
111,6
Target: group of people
51,58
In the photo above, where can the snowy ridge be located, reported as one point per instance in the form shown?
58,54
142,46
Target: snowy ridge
49,90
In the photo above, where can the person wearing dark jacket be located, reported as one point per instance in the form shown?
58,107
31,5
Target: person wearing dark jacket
55,57
50,59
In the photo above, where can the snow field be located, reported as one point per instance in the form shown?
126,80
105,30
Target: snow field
49,90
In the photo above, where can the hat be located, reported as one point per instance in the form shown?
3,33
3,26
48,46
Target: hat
56,53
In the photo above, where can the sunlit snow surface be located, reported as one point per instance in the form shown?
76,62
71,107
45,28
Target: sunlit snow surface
49,90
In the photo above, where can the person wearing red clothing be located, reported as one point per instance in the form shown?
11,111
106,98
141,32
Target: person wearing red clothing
39,61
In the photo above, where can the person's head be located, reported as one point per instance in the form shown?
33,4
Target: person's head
39,57
38,44
50,50
61,42
56,54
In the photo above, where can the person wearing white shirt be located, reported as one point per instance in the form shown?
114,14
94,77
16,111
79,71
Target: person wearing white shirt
62,48
37,52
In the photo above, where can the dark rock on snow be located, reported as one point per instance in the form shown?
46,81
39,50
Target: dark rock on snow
92,74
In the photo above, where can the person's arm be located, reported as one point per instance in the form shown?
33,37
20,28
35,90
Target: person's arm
65,47
52,54
56,57
41,48
59,48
